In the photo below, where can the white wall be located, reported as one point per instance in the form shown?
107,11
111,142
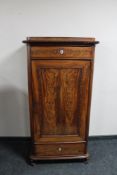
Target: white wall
93,18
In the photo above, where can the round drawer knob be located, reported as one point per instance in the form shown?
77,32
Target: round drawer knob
61,51
60,149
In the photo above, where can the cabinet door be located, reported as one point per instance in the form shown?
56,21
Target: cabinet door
60,99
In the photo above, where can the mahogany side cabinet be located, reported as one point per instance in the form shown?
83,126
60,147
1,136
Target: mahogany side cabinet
60,72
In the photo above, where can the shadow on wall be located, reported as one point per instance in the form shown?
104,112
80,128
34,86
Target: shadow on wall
14,118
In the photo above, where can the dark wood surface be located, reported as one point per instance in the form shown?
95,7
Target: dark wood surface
60,93
65,149
62,52
61,41
60,84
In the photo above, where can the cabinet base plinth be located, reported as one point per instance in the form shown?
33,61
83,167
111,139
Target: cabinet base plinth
83,157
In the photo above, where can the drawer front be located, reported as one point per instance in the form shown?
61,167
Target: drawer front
62,52
70,149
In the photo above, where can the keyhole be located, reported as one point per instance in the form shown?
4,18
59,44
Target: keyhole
61,51
60,149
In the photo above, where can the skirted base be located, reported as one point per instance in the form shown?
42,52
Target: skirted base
34,158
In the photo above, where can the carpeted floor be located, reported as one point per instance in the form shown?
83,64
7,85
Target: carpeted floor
103,160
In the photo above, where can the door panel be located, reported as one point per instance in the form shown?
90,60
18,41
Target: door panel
69,97
60,95
49,90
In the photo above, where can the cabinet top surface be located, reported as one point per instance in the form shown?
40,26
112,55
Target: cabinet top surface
65,40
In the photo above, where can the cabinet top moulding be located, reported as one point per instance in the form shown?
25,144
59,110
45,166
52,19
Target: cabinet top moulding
86,42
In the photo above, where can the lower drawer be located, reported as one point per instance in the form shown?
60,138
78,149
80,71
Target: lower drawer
65,149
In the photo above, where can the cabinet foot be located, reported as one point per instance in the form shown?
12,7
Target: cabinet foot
30,162
86,161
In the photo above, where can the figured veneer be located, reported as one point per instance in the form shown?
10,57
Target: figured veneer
60,72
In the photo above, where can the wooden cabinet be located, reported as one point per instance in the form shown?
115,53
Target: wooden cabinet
60,81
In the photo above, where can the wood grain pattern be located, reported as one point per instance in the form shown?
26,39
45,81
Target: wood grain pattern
55,52
60,39
60,72
60,91
49,87
60,149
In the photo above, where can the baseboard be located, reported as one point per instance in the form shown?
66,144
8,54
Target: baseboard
19,139
102,137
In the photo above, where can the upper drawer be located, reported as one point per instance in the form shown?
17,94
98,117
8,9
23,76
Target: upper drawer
62,52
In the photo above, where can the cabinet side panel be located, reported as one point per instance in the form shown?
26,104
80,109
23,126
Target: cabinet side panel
30,89
89,99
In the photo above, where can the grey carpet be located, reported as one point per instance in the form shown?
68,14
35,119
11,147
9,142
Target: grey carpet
103,160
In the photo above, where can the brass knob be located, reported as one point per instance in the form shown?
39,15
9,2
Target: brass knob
60,149
61,51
